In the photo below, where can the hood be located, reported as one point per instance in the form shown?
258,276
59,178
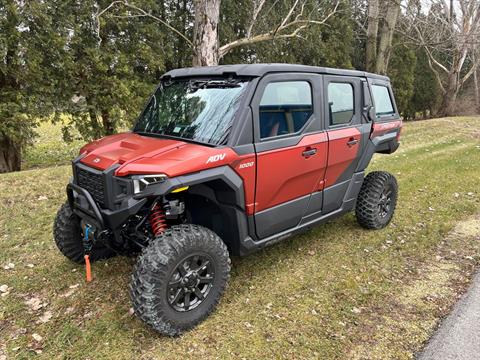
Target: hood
137,154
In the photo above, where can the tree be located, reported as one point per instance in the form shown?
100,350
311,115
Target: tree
382,19
111,68
402,74
449,34
32,52
426,93
329,45
207,51
205,32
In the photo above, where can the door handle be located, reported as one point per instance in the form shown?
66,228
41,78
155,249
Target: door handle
309,152
352,142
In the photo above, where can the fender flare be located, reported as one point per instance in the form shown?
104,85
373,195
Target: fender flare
223,173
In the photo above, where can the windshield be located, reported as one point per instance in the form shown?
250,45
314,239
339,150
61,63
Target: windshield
197,110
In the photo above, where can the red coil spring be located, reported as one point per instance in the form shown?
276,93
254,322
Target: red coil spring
157,220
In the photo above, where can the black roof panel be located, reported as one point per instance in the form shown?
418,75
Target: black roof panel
255,70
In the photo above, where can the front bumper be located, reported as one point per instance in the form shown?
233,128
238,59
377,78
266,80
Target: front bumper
84,206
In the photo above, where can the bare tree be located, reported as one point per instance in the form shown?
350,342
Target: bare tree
475,85
206,50
382,20
449,34
372,33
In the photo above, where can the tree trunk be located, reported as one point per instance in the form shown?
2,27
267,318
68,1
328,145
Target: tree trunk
447,108
372,32
386,36
108,125
10,155
477,95
205,32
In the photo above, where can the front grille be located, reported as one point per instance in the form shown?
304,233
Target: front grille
93,183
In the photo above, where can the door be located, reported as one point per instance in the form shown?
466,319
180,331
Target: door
347,135
291,149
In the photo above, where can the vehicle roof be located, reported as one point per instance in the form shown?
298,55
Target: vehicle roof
255,70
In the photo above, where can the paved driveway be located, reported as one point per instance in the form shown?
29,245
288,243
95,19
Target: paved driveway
459,334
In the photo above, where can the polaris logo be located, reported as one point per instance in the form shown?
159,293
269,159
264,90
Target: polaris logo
96,160
215,158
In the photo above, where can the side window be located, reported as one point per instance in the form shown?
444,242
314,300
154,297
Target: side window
341,103
285,108
383,102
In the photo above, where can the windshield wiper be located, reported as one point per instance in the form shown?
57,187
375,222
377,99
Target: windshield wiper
171,137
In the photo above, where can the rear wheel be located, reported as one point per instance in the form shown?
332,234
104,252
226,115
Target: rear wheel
377,200
68,237
179,278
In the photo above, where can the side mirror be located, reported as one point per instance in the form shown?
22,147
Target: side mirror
372,116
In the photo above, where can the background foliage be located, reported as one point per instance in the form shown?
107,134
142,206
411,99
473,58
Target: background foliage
59,59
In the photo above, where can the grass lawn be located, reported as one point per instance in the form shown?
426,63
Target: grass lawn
49,149
338,291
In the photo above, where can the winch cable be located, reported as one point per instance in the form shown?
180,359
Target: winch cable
87,247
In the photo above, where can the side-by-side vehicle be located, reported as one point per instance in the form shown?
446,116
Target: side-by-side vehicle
224,161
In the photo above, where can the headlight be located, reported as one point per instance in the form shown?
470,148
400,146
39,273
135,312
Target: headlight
141,182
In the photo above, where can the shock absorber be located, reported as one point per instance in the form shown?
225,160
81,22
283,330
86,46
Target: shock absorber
157,219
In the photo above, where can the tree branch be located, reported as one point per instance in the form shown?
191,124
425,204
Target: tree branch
427,50
437,75
470,72
258,5
276,33
141,13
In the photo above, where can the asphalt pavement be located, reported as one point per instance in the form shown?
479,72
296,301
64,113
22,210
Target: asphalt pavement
458,336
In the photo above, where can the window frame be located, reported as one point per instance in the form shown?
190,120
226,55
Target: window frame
306,122
312,125
355,82
328,103
386,117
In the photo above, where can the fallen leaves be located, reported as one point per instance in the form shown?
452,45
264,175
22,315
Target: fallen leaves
9,266
4,290
37,337
35,303
71,291
47,315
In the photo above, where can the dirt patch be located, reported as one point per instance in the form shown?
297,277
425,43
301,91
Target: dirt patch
405,321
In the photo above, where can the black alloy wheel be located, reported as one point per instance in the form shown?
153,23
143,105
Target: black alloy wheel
190,282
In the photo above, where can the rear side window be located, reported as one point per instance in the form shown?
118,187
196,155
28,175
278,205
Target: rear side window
340,103
285,108
383,102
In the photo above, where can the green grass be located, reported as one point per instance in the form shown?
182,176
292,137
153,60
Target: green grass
337,291
49,149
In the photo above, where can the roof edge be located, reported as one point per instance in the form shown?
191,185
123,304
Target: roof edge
256,70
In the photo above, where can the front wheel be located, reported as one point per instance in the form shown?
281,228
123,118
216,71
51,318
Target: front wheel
377,200
179,278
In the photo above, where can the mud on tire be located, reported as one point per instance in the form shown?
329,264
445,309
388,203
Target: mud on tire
377,200
155,290
68,237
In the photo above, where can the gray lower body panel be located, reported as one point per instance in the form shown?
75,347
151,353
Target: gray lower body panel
280,217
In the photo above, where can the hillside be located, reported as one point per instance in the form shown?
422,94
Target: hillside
337,291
